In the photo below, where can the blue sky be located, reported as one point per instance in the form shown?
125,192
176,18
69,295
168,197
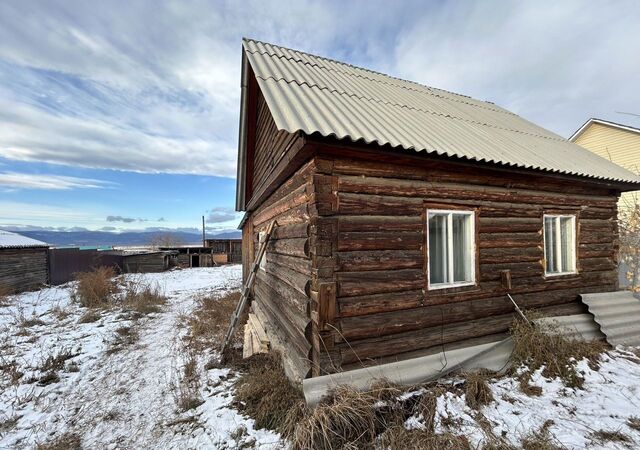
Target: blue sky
122,115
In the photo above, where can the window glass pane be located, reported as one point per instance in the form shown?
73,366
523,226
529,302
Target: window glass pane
438,262
461,247
567,244
549,244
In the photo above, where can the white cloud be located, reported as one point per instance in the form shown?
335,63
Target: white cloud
221,215
154,86
18,180
33,213
96,85
555,63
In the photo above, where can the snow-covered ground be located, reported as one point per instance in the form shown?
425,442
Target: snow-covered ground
128,398
123,399
610,397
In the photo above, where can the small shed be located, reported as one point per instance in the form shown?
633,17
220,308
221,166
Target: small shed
406,213
232,248
147,261
23,262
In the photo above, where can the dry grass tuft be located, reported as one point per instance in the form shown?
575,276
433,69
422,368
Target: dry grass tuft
187,388
527,388
48,378
536,346
124,337
265,393
210,320
55,362
92,315
398,437
189,400
5,292
371,419
68,441
23,321
8,423
60,313
477,390
11,370
604,436
95,289
427,408
347,420
143,298
634,423
497,444
541,439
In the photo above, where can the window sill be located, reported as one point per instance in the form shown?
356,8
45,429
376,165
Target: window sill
439,287
451,290
560,276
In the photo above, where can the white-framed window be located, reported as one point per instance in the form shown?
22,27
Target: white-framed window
559,244
452,248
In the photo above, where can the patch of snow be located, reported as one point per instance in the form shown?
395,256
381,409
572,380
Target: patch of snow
611,396
123,399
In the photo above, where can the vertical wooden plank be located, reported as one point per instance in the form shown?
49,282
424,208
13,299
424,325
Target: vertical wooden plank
327,305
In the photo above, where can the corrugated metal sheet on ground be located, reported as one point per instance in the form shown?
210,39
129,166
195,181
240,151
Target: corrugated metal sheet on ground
316,95
576,326
618,314
493,356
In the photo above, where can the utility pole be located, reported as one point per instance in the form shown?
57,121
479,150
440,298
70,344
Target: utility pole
203,235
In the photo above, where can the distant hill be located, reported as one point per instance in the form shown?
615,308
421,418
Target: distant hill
97,238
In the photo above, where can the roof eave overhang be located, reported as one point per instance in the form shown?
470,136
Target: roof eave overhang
242,138
606,123
580,130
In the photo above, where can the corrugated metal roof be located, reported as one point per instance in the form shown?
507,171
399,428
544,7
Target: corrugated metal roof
618,314
578,326
15,240
316,95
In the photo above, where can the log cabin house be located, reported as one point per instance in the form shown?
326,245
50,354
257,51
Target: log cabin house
406,213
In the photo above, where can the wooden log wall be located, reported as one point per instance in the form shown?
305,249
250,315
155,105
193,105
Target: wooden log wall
281,295
368,245
270,145
146,263
23,269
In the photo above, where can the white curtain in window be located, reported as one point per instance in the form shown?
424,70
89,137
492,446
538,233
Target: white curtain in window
451,248
438,260
567,243
560,244
461,247
550,244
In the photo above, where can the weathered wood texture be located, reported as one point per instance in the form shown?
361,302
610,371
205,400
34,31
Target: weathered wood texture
282,288
344,282
152,262
271,145
384,309
23,269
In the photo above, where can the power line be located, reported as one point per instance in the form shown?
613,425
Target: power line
627,113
